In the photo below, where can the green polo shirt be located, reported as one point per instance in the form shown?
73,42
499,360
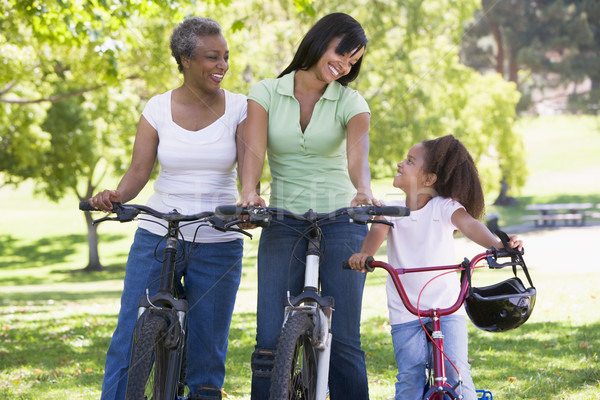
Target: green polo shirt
310,169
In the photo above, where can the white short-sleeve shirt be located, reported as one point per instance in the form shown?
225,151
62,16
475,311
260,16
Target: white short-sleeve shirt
197,168
422,239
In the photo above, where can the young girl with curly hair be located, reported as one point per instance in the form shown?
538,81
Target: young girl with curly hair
444,194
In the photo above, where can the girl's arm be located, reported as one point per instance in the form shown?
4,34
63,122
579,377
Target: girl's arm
142,161
371,244
479,233
257,124
357,150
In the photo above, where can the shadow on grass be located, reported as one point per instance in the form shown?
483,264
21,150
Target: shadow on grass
17,254
73,347
30,297
561,356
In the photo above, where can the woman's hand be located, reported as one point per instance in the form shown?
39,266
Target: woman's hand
364,199
103,200
251,199
357,262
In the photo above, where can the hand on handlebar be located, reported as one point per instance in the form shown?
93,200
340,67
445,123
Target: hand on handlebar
104,200
251,199
365,199
358,262
513,242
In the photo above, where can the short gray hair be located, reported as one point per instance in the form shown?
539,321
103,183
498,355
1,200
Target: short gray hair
185,35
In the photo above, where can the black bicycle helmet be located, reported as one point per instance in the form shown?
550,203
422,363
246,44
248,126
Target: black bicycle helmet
505,305
500,307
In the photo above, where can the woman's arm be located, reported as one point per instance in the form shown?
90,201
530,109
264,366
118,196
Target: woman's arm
240,140
142,161
479,233
357,149
257,124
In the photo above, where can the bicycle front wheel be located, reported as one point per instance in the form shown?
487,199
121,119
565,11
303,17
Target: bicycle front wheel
294,373
150,358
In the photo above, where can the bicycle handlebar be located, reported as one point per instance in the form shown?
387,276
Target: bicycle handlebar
491,256
127,212
261,216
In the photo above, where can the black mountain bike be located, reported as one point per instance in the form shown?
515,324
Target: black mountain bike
157,367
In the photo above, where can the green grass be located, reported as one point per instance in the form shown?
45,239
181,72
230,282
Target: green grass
56,322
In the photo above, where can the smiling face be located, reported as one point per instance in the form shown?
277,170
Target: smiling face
209,63
332,66
411,177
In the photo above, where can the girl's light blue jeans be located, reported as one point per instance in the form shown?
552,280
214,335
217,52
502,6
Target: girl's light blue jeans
281,268
212,276
412,352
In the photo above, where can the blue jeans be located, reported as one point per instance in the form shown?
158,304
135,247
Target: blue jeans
280,271
412,352
212,277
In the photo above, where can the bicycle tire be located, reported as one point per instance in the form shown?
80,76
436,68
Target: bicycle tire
149,360
294,373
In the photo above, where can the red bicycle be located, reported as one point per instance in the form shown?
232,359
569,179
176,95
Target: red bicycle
495,308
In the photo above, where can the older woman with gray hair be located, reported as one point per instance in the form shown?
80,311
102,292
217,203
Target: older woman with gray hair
195,132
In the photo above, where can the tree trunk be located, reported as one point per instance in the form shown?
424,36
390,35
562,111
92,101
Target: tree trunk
503,198
92,235
497,34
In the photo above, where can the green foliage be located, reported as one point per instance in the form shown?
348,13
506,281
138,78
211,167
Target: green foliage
56,323
411,77
538,44
89,134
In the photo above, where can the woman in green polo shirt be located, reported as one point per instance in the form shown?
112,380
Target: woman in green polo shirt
315,131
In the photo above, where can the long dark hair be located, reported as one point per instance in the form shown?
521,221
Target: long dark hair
315,42
457,176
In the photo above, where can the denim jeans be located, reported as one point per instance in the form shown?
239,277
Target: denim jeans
212,276
280,271
411,350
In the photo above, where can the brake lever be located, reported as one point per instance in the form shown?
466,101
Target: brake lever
243,232
380,221
107,218
492,257
360,219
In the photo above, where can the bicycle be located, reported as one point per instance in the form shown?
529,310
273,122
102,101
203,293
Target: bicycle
495,308
301,362
157,367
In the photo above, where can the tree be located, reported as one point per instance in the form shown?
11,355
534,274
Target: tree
536,44
68,110
412,79
76,74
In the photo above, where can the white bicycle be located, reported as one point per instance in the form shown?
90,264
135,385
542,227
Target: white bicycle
301,365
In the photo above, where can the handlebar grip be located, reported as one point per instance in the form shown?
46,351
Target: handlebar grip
501,253
85,206
392,211
346,264
229,210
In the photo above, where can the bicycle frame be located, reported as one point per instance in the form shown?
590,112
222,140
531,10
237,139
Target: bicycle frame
319,308
310,302
441,386
165,302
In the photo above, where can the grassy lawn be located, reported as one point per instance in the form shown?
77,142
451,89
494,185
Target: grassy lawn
56,322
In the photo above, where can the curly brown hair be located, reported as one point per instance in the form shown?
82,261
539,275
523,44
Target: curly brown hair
457,176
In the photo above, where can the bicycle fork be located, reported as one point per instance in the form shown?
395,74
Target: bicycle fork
322,318
440,384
